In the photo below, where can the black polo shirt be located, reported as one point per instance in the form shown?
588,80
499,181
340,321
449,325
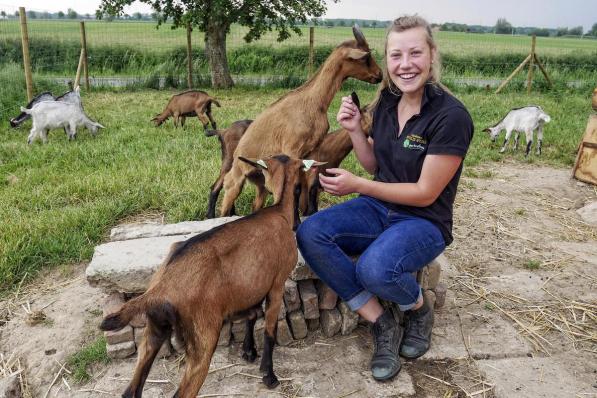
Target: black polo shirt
443,127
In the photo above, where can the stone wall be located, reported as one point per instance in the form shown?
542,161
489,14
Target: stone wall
124,266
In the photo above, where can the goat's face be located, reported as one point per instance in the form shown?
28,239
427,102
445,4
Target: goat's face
13,123
94,127
493,132
359,63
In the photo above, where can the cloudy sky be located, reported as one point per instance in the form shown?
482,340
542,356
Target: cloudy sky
545,14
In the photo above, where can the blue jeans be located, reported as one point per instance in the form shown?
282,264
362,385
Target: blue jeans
392,246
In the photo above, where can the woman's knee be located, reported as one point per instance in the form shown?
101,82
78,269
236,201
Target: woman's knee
310,231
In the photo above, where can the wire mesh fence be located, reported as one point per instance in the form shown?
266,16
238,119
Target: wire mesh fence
138,52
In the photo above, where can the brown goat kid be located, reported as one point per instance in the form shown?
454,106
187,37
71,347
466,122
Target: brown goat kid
297,122
229,139
224,273
187,104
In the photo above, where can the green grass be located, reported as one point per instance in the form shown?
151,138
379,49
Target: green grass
80,362
58,201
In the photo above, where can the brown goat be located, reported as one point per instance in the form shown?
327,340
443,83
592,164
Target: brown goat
188,103
297,122
224,273
332,150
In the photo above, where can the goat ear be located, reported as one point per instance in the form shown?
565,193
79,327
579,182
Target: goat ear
308,163
487,130
258,163
355,53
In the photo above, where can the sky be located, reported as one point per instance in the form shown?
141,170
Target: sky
542,14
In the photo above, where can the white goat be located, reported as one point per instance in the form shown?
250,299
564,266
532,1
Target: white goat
527,119
49,115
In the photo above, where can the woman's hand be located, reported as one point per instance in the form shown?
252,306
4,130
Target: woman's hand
341,183
349,115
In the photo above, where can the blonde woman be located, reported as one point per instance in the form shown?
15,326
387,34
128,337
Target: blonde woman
403,217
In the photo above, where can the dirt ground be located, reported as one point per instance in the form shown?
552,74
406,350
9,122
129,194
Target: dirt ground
520,318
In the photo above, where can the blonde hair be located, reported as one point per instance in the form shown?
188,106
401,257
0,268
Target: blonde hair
402,24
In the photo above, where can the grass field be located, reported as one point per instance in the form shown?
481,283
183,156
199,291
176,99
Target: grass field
57,201
145,35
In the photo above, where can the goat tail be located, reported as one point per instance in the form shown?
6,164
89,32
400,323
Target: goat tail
121,318
215,101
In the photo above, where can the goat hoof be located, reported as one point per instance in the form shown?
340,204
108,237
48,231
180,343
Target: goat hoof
250,356
271,381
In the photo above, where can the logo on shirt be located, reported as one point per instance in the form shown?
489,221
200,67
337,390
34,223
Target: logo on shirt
415,142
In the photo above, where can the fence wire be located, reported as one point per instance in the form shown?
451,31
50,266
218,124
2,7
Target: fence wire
131,52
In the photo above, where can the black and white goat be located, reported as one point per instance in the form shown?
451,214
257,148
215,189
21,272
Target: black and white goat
49,115
71,97
527,119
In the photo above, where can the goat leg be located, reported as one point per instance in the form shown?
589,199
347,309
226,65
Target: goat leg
199,354
153,339
249,351
273,303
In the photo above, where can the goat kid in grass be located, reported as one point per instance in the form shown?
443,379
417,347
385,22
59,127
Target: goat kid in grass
297,122
527,119
71,96
187,104
226,272
50,115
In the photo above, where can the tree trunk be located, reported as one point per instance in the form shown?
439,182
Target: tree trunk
215,48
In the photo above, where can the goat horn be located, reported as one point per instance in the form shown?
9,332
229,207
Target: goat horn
356,31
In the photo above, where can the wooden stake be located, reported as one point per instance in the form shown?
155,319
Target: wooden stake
84,51
26,57
531,65
543,71
79,68
513,74
311,50
189,57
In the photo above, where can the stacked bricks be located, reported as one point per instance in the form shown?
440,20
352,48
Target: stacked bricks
309,305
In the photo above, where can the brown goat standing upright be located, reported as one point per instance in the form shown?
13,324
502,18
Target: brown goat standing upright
297,122
222,273
187,104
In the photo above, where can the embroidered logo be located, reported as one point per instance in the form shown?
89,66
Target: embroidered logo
416,142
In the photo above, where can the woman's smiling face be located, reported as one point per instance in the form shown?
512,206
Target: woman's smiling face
409,59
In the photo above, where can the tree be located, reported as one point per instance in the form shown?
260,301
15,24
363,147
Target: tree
214,17
71,14
60,14
138,16
576,31
31,14
561,32
502,26
593,31
3,14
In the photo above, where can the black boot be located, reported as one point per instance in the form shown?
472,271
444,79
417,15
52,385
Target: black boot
417,333
387,334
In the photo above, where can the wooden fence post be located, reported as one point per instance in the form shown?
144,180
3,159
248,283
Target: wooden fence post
311,49
531,65
189,57
84,52
79,67
26,57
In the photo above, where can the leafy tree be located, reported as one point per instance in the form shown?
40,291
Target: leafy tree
576,31
593,31
138,16
71,14
60,14
214,17
502,26
31,14
342,23
374,24
561,32
540,32
3,13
